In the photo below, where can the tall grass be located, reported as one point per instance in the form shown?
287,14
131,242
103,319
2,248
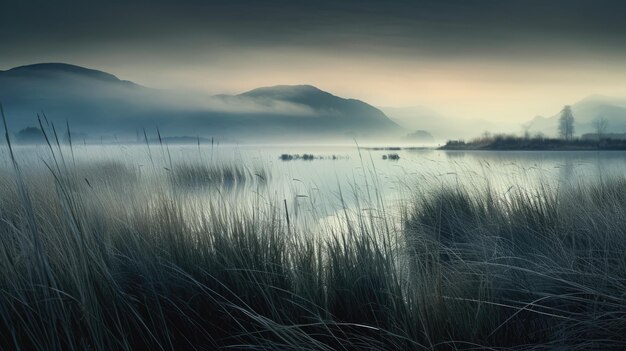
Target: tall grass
226,175
466,268
537,267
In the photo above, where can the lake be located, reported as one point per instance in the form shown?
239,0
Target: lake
339,179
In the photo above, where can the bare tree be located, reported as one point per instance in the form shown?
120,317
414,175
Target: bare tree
566,123
600,124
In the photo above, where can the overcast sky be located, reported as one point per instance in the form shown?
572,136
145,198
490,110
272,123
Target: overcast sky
496,60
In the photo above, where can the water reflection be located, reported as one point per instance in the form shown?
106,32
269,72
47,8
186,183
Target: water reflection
319,190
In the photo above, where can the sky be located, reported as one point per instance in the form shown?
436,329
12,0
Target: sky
493,60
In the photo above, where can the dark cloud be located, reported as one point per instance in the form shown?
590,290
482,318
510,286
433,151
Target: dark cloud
453,27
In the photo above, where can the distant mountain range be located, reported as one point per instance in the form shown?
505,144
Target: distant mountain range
585,112
445,127
95,103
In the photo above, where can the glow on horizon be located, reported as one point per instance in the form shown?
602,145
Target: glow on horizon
495,89
492,90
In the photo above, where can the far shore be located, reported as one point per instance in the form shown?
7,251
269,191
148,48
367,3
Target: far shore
511,143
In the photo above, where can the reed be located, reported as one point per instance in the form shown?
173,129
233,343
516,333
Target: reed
93,267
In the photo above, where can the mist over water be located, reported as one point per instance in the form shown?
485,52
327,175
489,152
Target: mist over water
313,175
316,191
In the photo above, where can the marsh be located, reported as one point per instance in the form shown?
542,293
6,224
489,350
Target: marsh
229,246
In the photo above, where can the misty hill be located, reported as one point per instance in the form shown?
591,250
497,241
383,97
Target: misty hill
96,103
87,98
29,135
585,112
420,136
60,71
335,111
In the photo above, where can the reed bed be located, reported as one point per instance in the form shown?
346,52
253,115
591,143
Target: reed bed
86,267
222,175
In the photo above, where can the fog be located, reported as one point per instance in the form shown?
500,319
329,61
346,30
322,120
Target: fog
501,62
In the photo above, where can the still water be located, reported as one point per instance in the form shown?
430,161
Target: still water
339,178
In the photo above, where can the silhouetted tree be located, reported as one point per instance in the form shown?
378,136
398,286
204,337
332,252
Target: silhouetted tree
566,123
600,124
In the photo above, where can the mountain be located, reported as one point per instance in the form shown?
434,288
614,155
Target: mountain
96,103
585,112
87,98
60,70
342,114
